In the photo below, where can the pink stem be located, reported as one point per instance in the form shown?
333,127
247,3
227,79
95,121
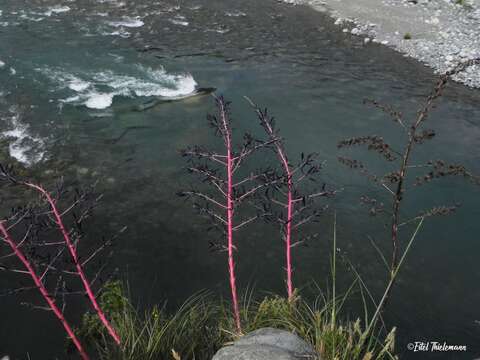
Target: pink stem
288,225
288,239
290,207
231,261
41,287
78,266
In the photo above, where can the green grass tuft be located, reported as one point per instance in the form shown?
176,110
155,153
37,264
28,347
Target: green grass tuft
204,324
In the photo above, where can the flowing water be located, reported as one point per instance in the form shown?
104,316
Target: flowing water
73,72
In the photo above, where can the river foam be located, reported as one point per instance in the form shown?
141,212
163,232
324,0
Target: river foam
56,10
127,22
96,90
24,146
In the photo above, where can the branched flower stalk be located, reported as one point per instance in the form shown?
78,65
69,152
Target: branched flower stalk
47,258
395,182
72,249
295,206
38,280
221,172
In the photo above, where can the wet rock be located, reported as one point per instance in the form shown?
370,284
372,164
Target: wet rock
267,344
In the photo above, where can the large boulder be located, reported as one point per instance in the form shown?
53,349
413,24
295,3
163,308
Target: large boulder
268,344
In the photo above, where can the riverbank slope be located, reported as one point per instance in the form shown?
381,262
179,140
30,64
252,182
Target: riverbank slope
438,33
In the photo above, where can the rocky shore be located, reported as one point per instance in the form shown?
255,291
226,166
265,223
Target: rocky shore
439,33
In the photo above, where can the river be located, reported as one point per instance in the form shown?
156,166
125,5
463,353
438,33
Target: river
73,72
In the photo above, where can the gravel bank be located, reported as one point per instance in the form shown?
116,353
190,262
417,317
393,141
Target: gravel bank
438,33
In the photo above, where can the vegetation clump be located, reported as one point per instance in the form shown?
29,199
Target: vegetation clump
203,324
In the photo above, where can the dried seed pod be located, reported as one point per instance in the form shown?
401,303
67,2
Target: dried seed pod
440,211
373,142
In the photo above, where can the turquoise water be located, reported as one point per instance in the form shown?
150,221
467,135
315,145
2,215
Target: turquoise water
74,72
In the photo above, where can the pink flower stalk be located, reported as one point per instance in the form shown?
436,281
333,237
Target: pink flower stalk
230,205
73,253
288,223
219,170
43,291
279,149
290,216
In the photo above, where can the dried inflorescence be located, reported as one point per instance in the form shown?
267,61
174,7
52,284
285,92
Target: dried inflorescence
351,163
424,135
392,177
221,172
48,247
375,206
440,169
440,211
395,182
396,115
373,142
284,202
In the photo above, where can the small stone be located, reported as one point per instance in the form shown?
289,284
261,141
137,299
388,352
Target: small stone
366,40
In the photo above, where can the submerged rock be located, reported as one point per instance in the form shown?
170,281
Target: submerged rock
267,344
